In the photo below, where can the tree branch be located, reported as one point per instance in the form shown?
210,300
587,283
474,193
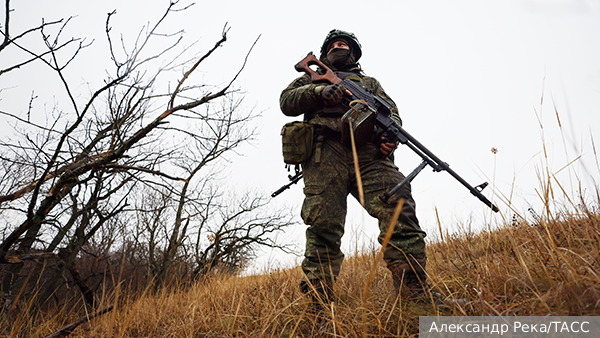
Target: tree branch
67,330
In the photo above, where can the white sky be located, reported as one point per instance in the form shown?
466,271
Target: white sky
466,75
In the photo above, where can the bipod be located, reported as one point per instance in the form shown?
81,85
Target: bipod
386,196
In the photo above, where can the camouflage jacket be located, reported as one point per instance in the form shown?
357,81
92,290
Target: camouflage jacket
300,98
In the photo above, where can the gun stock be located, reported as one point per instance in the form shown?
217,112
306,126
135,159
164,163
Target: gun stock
310,60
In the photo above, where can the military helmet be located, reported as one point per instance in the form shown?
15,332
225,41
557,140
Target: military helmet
337,34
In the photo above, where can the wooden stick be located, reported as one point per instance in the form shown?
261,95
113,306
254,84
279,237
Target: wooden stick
361,194
67,330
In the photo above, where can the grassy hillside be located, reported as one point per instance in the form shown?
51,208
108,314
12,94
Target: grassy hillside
549,268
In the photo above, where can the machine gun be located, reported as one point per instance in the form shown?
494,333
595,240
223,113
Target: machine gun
393,131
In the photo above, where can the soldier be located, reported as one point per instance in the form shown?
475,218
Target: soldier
329,177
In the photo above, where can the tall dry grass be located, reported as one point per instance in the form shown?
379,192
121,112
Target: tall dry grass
547,268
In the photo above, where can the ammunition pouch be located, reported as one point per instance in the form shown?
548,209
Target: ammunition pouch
297,142
360,119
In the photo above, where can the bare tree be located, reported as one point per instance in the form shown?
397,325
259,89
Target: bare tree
235,228
220,131
184,214
85,168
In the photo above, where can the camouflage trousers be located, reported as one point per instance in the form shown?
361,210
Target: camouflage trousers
329,177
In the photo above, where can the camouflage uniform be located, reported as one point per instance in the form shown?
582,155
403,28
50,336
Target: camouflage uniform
329,177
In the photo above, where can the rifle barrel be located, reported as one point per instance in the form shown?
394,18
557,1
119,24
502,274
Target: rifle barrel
444,166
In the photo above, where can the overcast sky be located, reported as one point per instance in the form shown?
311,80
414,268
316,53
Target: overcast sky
467,76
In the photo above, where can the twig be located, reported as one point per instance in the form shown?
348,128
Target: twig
154,172
67,330
29,122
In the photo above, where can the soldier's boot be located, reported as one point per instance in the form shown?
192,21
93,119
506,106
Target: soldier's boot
410,282
321,294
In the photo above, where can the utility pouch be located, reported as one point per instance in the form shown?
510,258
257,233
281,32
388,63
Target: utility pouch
297,142
361,119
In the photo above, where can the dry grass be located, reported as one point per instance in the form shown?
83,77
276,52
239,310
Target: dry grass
550,268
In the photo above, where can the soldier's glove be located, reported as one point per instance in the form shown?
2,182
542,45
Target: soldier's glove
333,94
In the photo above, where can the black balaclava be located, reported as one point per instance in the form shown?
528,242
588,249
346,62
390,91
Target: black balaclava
340,59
